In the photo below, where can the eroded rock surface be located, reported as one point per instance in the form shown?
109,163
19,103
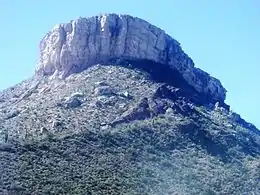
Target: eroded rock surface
72,47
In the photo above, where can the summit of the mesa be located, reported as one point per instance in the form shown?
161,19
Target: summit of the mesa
74,46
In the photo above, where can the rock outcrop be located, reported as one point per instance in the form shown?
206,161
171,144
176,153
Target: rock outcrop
113,129
72,47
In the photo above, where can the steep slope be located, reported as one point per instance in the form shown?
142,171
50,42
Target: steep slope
123,126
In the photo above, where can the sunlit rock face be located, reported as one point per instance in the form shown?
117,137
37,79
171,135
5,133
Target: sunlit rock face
73,47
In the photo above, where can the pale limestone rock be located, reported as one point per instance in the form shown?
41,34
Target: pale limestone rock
72,47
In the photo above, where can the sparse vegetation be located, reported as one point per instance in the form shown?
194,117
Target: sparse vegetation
176,149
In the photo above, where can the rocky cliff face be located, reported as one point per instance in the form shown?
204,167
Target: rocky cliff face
73,47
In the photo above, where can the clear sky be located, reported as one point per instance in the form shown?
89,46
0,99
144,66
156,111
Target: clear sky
222,37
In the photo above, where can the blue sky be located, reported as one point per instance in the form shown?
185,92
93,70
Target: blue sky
222,37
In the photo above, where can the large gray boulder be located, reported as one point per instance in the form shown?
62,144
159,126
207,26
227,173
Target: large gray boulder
72,47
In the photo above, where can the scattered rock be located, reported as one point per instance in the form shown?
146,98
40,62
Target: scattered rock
100,83
139,112
12,114
104,126
125,95
169,111
104,91
44,130
77,95
56,124
72,102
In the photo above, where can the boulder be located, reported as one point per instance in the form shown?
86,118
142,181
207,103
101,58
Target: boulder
140,111
72,102
103,91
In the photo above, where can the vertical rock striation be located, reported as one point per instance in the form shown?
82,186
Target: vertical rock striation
72,47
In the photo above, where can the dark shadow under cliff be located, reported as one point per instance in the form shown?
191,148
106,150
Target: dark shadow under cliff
163,73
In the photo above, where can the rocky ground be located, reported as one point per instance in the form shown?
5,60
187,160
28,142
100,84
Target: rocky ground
122,130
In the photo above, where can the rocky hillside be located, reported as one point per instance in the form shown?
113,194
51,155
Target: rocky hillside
109,121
